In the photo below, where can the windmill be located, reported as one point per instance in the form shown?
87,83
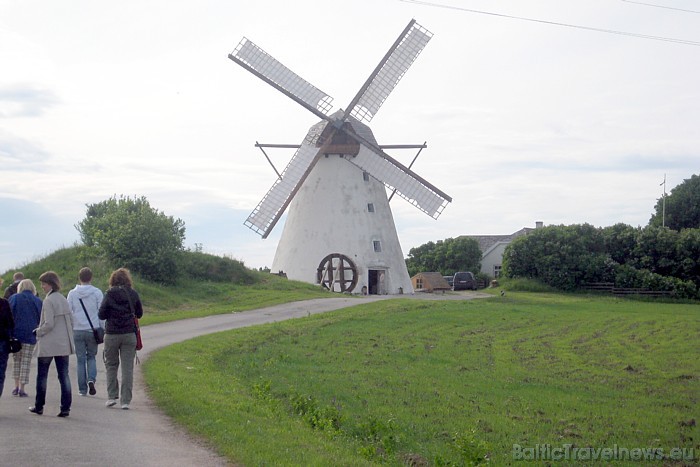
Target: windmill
339,230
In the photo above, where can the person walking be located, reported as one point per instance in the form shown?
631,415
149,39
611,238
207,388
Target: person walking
12,288
55,342
84,301
26,311
7,325
120,305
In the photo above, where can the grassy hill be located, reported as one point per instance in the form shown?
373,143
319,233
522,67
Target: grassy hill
210,284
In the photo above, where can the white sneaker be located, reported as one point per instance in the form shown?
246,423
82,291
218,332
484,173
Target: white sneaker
111,403
125,406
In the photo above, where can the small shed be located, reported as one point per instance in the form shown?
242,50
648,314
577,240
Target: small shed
429,282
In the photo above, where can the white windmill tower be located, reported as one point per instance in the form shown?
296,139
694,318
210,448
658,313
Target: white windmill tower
339,230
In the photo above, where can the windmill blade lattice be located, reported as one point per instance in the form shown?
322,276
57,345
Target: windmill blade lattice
270,209
422,195
389,72
265,67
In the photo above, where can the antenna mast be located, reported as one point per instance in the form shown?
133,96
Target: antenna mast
663,204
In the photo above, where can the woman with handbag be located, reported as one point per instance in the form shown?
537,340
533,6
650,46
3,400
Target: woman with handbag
26,311
55,343
121,304
7,324
84,301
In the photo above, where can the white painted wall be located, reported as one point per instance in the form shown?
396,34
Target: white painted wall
329,215
493,257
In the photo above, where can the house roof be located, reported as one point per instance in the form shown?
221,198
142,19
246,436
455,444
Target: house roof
486,242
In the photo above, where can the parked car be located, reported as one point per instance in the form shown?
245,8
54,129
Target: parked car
464,281
449,279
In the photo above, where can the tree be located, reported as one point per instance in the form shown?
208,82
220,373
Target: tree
561,256
655,250
620,241
688,254
462,254
130,233
446,256
682,209
565,257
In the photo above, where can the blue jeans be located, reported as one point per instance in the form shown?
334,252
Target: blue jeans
3,364
42,375
85,350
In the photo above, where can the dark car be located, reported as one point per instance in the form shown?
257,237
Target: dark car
464,281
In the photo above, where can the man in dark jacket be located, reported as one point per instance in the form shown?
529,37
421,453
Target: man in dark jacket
12,289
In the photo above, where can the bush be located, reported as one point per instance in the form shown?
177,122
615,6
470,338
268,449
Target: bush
630,277
525,285
560,256
484,278
130,233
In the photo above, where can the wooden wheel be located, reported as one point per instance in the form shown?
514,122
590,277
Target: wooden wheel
337,273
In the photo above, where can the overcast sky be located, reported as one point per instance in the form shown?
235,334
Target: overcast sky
524,121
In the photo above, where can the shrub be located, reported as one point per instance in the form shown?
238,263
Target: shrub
130,233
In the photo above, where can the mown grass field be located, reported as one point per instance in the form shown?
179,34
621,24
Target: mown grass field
410,382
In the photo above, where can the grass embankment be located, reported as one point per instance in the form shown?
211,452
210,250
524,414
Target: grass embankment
440,383
188,297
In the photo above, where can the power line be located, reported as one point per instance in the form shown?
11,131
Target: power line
661,6
587,28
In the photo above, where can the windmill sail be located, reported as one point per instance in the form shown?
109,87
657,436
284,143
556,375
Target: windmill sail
272,206
389,72
264,66
408,185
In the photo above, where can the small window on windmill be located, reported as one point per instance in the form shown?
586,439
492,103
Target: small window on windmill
365,176
377,246
370,207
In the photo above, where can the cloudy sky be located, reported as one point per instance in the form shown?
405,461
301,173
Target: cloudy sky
525,120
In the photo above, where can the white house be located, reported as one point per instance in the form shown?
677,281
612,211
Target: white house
493,246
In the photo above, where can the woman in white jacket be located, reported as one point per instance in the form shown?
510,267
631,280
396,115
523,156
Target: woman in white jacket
55,342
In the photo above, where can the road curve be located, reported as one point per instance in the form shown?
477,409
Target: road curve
96,435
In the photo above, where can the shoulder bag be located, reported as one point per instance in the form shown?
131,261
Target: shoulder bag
13,345
98,332
137,329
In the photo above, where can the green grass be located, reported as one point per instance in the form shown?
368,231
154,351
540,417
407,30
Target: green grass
408,382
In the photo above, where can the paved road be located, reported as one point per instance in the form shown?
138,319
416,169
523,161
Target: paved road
144,436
